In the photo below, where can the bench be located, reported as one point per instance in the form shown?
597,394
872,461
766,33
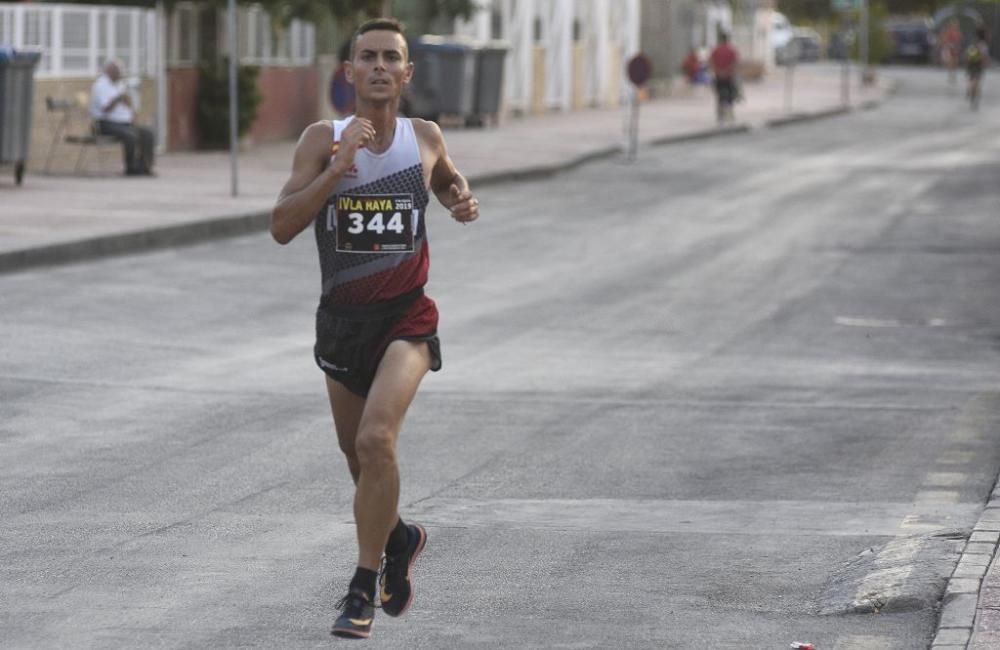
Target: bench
70,111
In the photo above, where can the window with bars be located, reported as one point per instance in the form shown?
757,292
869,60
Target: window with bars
183,35
263,43
75,40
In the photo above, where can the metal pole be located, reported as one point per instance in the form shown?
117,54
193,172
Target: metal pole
234,53
845,85
635,124
996,31
632,124
864,40
162,120
789,86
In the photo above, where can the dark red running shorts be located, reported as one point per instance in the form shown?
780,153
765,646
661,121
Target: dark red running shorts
351,339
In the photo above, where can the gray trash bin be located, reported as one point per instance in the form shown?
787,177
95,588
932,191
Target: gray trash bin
490,59
444,77
17,87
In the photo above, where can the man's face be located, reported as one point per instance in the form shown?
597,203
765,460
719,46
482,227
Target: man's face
380,67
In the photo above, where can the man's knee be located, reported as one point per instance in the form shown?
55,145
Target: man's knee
128,136
375,445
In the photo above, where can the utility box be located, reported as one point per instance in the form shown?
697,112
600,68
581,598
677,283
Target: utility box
17,87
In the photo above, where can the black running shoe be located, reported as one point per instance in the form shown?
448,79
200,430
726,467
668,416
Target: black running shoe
356,615
397,592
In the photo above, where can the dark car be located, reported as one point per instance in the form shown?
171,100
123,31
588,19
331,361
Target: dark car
807,44
840,45
912,40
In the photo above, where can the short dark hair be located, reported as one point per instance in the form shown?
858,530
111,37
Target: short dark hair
375,24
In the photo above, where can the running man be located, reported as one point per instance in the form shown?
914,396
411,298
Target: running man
977,58
951,46
363,184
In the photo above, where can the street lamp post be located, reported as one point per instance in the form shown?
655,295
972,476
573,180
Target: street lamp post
234,52
865,35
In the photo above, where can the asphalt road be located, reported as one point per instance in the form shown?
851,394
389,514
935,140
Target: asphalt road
741,393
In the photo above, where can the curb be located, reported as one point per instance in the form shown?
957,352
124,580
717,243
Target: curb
132,242
796,118
694,136
542,171
960,607
232,226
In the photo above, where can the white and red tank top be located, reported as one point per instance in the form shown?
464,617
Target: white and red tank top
370,234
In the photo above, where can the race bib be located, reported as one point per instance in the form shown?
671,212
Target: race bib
374,223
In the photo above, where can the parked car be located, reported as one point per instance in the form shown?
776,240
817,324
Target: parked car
840,45
807,43
913,40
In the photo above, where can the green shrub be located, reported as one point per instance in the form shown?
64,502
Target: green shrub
213,102
879,42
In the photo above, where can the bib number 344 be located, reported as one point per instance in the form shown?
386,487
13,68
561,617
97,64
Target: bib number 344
374,223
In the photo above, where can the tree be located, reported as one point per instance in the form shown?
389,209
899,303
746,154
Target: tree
349,11
814,10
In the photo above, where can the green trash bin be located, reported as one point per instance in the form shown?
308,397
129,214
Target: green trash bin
17,88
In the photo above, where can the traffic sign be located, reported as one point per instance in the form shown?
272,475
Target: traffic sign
640,68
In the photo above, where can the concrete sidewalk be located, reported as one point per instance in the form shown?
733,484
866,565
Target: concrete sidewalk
56,219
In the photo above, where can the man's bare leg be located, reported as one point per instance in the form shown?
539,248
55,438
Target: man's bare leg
377,496
347,408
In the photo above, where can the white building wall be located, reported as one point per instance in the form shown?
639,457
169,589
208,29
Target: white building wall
608,30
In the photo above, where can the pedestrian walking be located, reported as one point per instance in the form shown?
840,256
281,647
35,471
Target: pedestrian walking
341,90
951,48
977,58
363,183
723,61
691,65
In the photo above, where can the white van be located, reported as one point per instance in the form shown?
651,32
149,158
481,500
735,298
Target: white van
781,37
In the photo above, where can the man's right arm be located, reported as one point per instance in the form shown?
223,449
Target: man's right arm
311,182
108,95
313,179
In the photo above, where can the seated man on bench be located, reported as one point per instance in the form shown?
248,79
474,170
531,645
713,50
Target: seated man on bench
112,112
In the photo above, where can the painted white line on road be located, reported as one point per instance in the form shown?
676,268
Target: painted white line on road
945,479
955,457
852,321
936,496
866,322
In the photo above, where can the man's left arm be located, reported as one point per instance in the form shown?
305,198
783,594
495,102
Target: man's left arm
449,186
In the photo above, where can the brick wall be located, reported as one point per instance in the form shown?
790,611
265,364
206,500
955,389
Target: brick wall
182,93
289,103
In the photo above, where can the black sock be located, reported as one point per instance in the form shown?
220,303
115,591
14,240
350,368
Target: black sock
399,539
364,581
